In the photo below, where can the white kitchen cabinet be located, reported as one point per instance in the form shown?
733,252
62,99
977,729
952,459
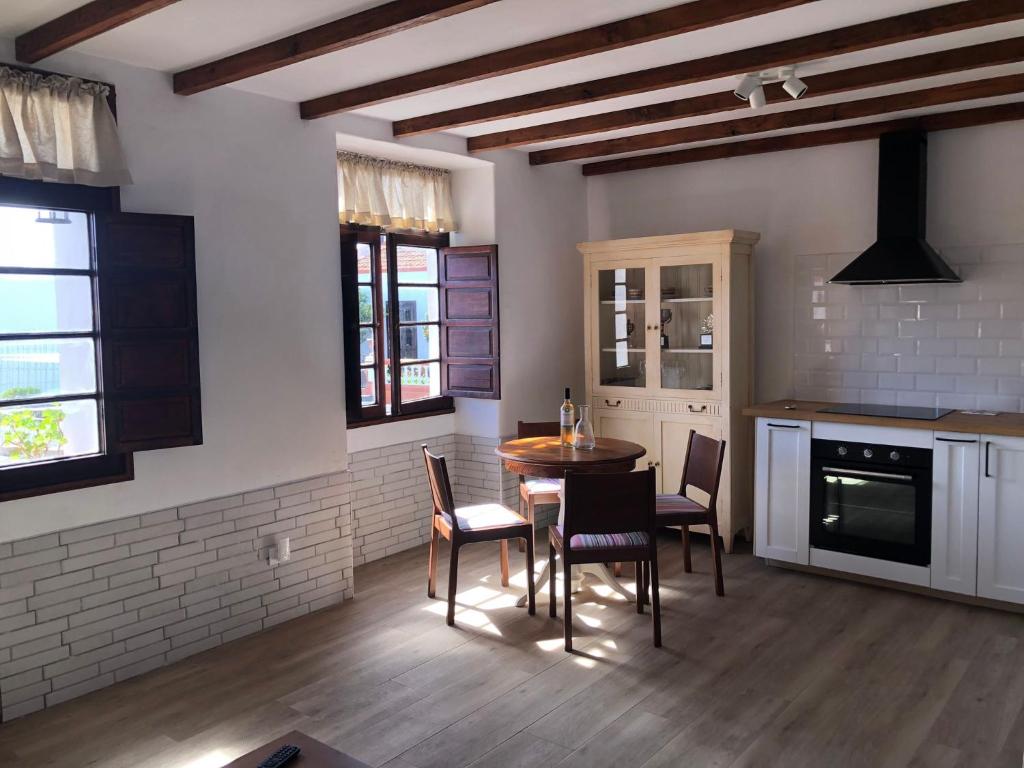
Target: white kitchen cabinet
782,489
668,333
1001,519
955,479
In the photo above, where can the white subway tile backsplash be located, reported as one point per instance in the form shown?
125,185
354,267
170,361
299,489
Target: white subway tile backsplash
957,345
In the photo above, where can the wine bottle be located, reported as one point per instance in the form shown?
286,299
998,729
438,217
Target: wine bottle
567,419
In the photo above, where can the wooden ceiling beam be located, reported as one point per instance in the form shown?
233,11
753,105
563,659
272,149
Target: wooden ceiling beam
81,24
698,14
371,24
941,121
795,118
884,73
896,29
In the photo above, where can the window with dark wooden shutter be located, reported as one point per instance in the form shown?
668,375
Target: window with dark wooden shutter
469,322
150,332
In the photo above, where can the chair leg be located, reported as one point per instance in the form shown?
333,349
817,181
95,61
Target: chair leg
687,564
551,581
639,587
647,582
432,562
617,570
522,544
716,553
567,612
655,601
504,562
530,588
453,579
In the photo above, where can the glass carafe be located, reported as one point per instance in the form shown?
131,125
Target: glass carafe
583,435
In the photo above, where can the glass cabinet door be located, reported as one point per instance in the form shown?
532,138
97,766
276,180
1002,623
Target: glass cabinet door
686,326
621,327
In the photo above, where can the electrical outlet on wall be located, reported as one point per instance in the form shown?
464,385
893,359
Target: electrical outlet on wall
279,551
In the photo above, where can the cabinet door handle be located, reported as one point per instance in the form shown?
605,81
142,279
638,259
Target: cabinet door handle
954,440
988,444
610,404
784,426
650,464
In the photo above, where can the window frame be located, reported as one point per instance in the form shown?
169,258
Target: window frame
84,471
388,326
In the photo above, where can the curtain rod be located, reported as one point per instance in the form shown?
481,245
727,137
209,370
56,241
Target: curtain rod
387,163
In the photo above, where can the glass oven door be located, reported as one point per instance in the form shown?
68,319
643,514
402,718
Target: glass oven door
881,513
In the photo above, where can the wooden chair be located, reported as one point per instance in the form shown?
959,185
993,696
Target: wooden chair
537,490
703,470
608,517
467,525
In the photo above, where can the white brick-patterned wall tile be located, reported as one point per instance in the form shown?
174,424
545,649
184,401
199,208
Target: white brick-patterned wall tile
83,608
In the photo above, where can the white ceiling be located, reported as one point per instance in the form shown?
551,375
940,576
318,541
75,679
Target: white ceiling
191,32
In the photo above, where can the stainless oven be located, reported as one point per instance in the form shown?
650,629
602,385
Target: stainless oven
872,500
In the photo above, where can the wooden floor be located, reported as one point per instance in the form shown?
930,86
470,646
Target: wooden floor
788,669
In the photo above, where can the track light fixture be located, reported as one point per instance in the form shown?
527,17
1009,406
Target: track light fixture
792,84
751,89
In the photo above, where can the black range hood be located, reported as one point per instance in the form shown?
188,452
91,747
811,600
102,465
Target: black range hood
901,254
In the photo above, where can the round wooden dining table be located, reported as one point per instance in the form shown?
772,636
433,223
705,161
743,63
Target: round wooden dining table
547,457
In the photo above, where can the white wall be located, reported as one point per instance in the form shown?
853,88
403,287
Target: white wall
541,216
811,204
261,185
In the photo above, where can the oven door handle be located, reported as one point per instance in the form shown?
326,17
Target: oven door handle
865,473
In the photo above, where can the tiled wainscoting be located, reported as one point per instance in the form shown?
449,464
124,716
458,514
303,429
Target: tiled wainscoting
87,607
958,345
391,500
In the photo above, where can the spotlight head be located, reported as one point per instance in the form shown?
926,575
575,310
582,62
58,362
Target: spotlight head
746,86
756,98
794,86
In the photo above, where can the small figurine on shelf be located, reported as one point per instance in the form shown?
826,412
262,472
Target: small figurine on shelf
707,327
666,318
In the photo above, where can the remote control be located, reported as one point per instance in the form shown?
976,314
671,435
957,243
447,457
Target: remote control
280,757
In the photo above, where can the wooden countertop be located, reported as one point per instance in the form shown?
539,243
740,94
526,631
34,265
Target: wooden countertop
1007,424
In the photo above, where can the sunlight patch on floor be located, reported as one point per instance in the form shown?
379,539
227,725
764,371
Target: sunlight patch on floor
215,759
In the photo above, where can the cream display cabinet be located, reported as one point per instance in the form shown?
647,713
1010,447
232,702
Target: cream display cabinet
668,332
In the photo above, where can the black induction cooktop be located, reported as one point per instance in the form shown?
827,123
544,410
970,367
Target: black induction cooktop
888,411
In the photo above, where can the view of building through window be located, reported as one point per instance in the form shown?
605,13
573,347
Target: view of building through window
49,405
418,308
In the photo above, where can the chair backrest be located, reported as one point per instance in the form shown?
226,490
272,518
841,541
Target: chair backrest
440,485
538,429
703,466
612,502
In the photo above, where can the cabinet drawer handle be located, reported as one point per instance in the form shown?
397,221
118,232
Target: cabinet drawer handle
691,409
954,440
610,404
784,426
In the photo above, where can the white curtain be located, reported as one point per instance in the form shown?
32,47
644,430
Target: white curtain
58,128
394,195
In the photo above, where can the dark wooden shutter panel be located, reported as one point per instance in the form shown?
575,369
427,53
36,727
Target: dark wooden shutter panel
470,350
149,331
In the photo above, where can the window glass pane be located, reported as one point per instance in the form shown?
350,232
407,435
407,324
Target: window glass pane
364,263
45,303
420,342
43,239
368,385
416,264
33,433
46,368
387,388
366,346
365,304
417,305
421,381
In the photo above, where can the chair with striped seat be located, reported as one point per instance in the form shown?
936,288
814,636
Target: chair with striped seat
702,469
609,517
537,490
466,525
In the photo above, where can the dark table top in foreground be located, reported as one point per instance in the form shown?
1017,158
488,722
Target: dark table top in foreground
314,754
547,457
